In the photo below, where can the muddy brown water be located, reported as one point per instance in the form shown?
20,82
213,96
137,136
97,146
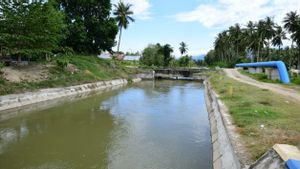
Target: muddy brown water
149,125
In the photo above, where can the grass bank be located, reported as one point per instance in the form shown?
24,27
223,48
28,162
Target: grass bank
71,70
262,118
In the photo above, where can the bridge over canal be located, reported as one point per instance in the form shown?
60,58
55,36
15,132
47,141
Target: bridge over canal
180,73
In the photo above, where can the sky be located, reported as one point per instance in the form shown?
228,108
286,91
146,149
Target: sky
195,22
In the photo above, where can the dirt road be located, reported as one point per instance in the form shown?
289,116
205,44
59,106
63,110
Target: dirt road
276,88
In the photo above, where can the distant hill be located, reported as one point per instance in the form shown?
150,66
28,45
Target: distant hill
199,57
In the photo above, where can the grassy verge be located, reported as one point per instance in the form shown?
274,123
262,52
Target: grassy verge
88,69
259,76
262,118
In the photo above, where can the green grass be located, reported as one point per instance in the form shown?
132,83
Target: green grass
259,76
252,107
295,81
90,69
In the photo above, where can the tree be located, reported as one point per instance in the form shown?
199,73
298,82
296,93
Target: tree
240,43
292,25
123,17
166,51
90,27
269,33
234,34
278,37
183,48
152,56
186,61
157,55
30,28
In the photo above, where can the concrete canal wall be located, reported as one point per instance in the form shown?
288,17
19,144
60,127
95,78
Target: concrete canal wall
18,100
228,149
228,152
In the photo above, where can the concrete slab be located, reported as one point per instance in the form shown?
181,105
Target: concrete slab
217,164
287,152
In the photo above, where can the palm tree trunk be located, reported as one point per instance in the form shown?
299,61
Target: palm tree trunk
298,57
258,52
119,39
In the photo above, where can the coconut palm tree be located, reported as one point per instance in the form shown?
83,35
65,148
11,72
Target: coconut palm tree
278,37
235,36
291,21
265,31
292,25
250,37
221,45
183,48
123,15
269,33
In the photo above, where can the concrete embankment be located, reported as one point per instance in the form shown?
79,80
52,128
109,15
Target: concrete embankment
228,149
225,153
18,100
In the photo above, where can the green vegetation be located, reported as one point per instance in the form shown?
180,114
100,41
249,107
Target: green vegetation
161,56
254,41
183,48
157,55
43,29
90,28
30,29
72,70
260,77
123,17
63,35
262,117
295,80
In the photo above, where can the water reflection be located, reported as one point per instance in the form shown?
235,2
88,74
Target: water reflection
160,124
165,127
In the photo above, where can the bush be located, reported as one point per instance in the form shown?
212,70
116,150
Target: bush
2,80
296,80
1,66
62,63
260,76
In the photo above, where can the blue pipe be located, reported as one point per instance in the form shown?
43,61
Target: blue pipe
283,73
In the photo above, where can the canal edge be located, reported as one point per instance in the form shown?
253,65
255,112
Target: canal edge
12,101
228,150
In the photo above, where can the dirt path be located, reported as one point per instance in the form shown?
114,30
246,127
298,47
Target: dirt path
234,74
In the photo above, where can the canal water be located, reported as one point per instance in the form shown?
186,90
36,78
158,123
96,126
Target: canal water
149,125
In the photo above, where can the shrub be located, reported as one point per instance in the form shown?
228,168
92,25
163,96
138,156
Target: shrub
296,80
261,76
62,62
2,80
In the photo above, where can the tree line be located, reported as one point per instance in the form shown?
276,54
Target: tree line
161,56
258,41
43,28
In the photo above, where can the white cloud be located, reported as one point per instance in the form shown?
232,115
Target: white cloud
223,13
140,8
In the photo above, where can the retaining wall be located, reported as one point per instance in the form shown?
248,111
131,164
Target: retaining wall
224,153
18,100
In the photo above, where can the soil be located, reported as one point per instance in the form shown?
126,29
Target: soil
30,73
234,74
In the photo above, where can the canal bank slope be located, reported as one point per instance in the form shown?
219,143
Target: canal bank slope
228,151
256,119
18,100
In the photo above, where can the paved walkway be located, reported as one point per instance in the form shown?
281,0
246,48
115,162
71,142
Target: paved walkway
234,74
